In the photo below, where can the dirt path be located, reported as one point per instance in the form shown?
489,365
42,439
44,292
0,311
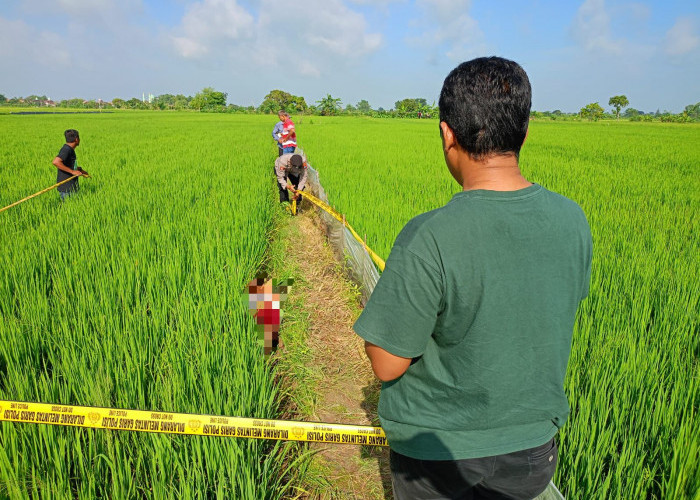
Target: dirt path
347,390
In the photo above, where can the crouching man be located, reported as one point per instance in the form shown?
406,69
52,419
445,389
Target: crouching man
291,170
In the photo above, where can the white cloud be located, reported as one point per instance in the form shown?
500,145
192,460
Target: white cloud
453,27
332,27
212,20
189,48
308,69
591,28
682,38
312,35
19,42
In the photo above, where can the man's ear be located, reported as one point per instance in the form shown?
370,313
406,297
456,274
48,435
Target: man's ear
449,140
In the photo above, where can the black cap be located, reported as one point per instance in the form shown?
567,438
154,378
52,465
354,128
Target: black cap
296,161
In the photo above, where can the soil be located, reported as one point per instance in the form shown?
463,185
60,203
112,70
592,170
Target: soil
347,391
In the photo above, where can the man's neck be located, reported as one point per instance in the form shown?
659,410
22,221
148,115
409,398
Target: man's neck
495,173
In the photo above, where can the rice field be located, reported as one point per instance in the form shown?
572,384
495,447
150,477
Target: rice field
634,378
129,294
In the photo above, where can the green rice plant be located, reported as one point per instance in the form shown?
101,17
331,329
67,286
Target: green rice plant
128,295
634,378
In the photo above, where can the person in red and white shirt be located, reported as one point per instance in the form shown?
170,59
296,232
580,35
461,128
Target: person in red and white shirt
289,135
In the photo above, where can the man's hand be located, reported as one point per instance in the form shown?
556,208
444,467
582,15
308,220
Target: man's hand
76,172
291,187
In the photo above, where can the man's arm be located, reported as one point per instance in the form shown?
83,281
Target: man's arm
302,178
280,171
277,131
58,163
385,365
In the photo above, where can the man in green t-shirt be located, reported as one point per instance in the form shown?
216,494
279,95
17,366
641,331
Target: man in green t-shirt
470,325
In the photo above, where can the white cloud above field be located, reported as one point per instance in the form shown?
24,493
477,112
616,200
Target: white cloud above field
451,32
211,23
682,38
40,47
591,28
314,30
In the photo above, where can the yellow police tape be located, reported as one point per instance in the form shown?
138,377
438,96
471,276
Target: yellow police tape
339,217
189,424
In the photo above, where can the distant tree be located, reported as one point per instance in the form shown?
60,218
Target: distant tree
268,106
363,106
3,99
277,100
135,103
693,111
118,103
329,105
235,108
592,111
164,101
76,102
618,102
297,105
182,101
208,99
632,113
350,108
35,100
197,102
406,107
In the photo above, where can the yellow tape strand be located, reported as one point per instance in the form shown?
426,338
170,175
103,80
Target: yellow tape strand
189,424
37,194
336,215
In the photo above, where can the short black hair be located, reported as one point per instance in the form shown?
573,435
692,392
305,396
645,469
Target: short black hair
71,135
486,102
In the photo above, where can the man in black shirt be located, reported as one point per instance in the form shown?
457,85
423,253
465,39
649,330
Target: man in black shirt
65,163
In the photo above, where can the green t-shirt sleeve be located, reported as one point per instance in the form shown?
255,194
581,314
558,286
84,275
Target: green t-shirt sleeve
402,311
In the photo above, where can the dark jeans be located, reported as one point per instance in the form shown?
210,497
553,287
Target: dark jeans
284,194
67,194
519,475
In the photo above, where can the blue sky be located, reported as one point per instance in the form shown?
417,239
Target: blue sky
575,52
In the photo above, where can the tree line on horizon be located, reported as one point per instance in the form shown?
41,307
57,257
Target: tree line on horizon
211,100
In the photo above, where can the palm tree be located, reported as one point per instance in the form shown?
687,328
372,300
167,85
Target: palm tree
329,105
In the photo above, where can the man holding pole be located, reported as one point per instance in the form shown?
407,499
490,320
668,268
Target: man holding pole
65,163
470,325
291,170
